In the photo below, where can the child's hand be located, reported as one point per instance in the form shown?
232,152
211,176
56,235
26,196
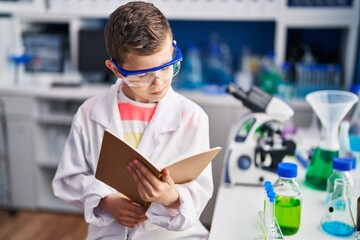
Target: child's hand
152,189
123,210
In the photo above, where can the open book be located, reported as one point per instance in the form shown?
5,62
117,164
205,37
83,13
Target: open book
115,155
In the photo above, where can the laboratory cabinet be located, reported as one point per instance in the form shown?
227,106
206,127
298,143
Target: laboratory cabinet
53,121
37,128
19,122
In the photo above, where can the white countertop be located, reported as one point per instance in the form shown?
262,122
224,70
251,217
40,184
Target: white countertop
236,209
80,92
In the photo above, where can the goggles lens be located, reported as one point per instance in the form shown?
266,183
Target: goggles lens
146,79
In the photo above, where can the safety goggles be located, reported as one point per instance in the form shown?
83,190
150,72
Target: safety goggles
145,77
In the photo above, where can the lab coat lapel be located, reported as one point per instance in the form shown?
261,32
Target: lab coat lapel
162,122
105,111
149,140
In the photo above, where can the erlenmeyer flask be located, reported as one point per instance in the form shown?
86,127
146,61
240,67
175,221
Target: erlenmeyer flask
337,219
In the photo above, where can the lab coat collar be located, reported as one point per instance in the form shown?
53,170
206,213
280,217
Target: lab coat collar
161,122
105,110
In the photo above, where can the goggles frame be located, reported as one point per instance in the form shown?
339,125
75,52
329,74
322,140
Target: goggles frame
178,58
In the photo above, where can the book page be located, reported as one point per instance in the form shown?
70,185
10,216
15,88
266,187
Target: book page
191,167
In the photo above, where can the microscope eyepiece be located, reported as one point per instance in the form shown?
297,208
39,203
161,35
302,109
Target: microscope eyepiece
255,99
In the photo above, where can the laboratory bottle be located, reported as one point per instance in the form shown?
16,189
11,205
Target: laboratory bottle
217,70
212,62
286,85
337,219
192,68
227,62
269,77
341,170
288,198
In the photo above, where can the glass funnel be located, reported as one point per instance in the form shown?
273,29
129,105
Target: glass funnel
330,106
337,218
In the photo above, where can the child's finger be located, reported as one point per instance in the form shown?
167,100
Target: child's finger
165,176
145,173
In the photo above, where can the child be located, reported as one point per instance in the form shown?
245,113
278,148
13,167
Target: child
143,109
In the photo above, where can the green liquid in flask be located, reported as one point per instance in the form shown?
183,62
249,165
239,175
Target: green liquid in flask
320,168
288,212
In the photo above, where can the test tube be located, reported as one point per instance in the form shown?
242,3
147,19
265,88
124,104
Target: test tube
267,188
267,219
272,228
270,215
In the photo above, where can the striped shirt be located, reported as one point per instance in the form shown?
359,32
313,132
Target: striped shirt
134,116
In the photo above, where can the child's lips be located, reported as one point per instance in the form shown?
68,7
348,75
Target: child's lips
158,92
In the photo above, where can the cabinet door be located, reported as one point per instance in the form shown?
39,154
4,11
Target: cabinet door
20,144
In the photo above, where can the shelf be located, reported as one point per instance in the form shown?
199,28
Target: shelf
321,16
176,9
217,10
50,139
31,6
260,10
47,164
55,119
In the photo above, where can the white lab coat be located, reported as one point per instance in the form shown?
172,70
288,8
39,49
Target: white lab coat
178,128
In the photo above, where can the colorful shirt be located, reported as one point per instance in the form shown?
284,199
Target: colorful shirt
134,116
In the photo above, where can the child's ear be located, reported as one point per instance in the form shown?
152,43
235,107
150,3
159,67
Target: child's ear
111,66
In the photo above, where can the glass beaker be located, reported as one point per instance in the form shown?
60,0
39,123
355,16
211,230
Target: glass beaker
330,106
337,219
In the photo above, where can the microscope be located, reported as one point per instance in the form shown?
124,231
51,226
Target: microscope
257,145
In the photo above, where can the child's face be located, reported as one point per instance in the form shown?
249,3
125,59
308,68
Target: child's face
159,81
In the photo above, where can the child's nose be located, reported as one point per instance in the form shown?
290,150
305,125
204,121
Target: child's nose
157,81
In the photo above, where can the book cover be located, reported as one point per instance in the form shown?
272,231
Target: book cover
115,155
